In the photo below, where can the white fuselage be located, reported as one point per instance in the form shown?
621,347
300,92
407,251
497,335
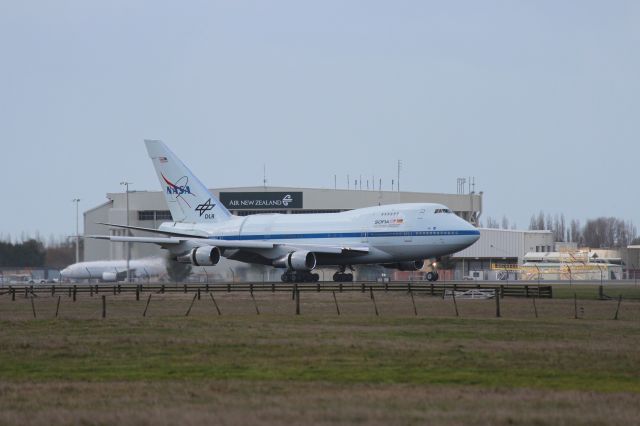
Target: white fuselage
100,269
392,233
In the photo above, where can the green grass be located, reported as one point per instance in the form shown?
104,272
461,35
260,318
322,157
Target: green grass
490,353
241,368
566,291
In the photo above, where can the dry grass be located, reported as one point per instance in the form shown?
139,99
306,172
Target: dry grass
239,402
318,367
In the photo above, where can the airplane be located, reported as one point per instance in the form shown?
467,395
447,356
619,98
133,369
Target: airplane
114,270
396,236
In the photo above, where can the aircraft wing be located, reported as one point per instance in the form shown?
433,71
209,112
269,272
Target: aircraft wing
178,240
235,244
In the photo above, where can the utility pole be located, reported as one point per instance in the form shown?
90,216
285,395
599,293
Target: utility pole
128,244
77,200
399,166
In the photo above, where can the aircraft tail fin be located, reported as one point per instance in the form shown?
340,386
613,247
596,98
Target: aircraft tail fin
188,199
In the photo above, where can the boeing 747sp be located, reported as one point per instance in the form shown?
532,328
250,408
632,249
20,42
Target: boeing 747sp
397,236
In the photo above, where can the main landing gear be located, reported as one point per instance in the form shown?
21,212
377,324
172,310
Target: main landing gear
341,276
299,277
432,276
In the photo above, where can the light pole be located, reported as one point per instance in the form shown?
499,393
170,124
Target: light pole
128,244
77,200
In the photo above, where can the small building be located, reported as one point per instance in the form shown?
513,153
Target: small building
498,247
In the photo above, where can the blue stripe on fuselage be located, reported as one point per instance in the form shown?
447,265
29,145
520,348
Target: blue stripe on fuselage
344,235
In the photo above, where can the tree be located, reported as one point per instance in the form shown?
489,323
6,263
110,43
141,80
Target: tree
29,253
540,221
177,271
492,223
505,222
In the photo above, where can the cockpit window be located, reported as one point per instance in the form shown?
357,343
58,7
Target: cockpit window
442,211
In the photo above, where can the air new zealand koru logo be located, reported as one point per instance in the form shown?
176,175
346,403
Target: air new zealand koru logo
205,207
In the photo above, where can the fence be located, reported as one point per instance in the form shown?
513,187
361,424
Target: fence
430,288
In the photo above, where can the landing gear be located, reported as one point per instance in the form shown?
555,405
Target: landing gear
341,276
432,276
299,276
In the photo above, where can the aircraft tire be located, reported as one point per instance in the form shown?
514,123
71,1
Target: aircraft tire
431,276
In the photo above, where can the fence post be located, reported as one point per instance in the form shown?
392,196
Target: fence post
215,304
58,306
191,305
415,311
104,305
375,306
455,304
33,307
255,304
185,288
137,292
535,309
335,301
91,290
144,314
618,308
114,290
162,289
297,302
53,290
497,297
75,291
13,293
198,293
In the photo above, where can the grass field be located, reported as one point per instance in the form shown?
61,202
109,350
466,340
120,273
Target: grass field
318,367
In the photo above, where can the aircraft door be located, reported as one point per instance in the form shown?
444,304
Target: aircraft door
364,235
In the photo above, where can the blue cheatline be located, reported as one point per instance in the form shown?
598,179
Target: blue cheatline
343,235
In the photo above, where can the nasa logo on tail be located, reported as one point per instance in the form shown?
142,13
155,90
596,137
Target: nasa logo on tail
179,188
204,208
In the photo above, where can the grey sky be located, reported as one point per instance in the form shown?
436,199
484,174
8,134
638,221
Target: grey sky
540,101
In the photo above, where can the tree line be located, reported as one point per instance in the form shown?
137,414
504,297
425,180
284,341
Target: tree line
34,253
601,232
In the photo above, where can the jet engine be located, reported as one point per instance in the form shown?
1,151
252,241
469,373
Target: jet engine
109,277
297,261
201,256
414,265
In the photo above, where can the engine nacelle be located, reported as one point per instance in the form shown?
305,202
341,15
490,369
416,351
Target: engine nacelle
414,265
297,261
109,277
201,256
